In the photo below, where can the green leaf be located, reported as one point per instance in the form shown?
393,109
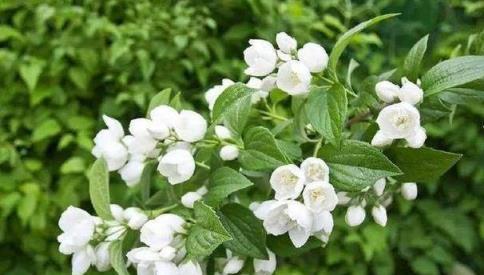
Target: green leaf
462,96
248,234
48,128
261,151
117,258
423,164
356,165
223,182
99,189
233,105
411,64
145,180
161,98
207,234
7,32
282,245
452,73
30,72
73,165
326,110
345,39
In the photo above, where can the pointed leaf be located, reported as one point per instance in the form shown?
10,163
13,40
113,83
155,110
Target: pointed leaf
223,182
411,64
117,257
99,189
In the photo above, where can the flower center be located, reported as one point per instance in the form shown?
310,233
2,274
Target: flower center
401,122
315,172
295,78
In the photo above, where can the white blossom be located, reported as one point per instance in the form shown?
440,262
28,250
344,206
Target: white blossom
320,196
265,267
177,165
387,91
222,132
355,215
163,115
190,126
379,186
189,199
410,92
267,84
189,268
287,182
417,140
256,83
103,262
379,214
260,57
229,152
314,56
322,225
232,264
280,217
409,190
140,146
77,230
131,172
160,232
108,144
400,120
134,217
165,267
213,93
294,78
82,260
380,140
286,43
315,169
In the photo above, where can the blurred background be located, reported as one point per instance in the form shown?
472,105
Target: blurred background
64,63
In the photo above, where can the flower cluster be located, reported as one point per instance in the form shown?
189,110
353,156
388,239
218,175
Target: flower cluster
88,237
399,120
164,251
166,135
286,214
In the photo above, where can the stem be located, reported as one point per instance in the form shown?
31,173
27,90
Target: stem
272,115
317,147
203,165
358,118
157,212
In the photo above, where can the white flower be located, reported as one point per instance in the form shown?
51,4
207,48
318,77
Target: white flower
280,217
400,120
268,83
222,132
355,215
417,140
320,196
139,127
322,225
189,199
314,56
294,78
177,165
260,57
387,91
131,172
283,56
256,83
265,267
213,93
343,198
165,267
135,217
78,228
145,257
380,140
190,126
163,115
315,169
287,181
410,92
286,43
379,186
103,262
189,268
379,214
160,232
409,191
108,144
82,260
229,152
182,145
140,146
233,264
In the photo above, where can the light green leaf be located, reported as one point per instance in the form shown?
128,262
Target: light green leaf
223,182
7,32
452,73
345,39
99,189
261,151
207,234
48,128
356,165
117,258
326,110
462,96
161,98
73,165
248,234
30,72
233,105
423,164
411,64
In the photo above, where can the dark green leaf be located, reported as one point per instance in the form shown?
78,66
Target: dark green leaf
223,182
99,189
411,64
282,245
462,96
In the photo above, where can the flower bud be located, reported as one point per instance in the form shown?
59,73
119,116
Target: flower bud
135,217
266,267
386,91
410,92
355,215
380,140
286,43
314,56
131,172
190,126
103,262
177,165
409,190
261,58
165,115
222,132
229,152
233,265
379,186
379,214
190,198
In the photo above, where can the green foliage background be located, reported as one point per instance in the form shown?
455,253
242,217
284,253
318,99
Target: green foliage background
64,63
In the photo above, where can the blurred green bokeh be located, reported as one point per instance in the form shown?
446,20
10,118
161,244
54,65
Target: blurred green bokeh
64,63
